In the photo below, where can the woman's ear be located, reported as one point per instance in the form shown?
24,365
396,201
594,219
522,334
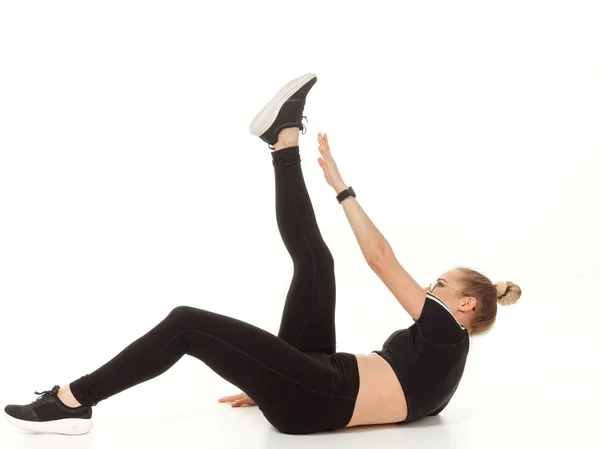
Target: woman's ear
468,303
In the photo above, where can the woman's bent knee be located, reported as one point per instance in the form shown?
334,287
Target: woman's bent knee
181,312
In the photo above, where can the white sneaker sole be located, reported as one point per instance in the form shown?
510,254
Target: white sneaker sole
267,115
67,426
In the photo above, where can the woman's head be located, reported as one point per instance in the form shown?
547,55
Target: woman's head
473,298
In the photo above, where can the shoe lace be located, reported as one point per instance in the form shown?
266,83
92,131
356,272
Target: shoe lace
302,127
52,392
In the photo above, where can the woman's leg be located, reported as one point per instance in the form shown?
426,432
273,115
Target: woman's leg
297,392
308,319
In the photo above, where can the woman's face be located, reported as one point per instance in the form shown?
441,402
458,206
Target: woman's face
460,305
444,288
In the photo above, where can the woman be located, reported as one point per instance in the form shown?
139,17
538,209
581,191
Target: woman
297,379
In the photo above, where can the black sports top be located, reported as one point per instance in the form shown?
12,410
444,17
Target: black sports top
428,358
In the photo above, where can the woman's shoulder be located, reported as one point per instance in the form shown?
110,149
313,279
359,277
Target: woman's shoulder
438,324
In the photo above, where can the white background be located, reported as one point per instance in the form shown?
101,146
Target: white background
130,184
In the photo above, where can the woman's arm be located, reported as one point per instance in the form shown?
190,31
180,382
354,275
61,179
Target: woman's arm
371,241
376,249
381,258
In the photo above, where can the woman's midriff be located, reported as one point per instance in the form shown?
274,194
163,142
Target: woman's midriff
380,396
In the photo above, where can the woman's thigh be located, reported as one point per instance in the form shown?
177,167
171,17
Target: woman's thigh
297,392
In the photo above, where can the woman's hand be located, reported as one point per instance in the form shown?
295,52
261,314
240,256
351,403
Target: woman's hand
330,170
238,400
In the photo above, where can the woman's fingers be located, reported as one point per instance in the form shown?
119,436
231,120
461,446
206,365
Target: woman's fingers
238,400
332,174
326,161
233,397
324,147
244,401
323,143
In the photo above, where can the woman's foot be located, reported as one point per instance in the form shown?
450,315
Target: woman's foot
284,110
49,415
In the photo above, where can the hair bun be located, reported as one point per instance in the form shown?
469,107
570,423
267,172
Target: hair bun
507,292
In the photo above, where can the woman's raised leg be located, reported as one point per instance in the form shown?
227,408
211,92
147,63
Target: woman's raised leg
308,318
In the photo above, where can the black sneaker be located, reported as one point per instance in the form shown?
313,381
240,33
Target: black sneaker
48,414
284,110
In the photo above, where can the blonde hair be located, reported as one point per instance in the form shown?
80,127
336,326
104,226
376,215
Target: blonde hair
488,295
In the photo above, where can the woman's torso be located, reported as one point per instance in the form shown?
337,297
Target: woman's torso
429,356
380,397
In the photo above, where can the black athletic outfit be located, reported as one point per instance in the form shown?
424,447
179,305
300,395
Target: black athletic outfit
297,379
428,358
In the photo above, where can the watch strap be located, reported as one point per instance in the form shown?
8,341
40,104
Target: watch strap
345,194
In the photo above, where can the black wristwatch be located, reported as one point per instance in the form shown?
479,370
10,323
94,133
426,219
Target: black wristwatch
345,194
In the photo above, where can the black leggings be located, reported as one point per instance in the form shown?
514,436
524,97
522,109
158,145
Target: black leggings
298,381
